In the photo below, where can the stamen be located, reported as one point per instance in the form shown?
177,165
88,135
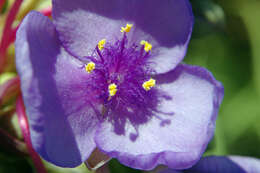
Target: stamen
127,28
101,44
90,67
147,45
112,88
149,84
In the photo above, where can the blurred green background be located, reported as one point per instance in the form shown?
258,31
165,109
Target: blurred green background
225,40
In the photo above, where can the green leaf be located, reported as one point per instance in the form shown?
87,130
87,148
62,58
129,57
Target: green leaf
55,169
116,167
14,164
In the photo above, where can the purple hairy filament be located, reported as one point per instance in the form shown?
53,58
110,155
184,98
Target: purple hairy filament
120,78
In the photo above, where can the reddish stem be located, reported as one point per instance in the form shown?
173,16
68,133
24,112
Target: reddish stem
23,122
47,11
2,2
8,24
6,40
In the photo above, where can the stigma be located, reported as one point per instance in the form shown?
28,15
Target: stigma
147,45
127,28
149,84
90,67
101,44
112,89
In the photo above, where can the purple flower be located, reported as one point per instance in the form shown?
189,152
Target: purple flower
107,75
222,164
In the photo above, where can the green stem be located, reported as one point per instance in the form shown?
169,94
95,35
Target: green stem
249,12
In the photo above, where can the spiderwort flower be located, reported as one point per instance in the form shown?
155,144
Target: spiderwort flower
222,164
107,75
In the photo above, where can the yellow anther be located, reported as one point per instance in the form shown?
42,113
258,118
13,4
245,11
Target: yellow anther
101,44
127,28
149,84
112,88
90,67
147,46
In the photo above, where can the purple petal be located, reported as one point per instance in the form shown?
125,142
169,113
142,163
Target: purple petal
222,164
166,24
62,123
248,164
237,164
178,140
170,171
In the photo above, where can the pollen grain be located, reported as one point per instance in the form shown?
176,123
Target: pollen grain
101,44
112,89
90,67
127,28
147,45
149,84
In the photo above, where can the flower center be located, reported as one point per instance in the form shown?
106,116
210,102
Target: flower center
120,77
